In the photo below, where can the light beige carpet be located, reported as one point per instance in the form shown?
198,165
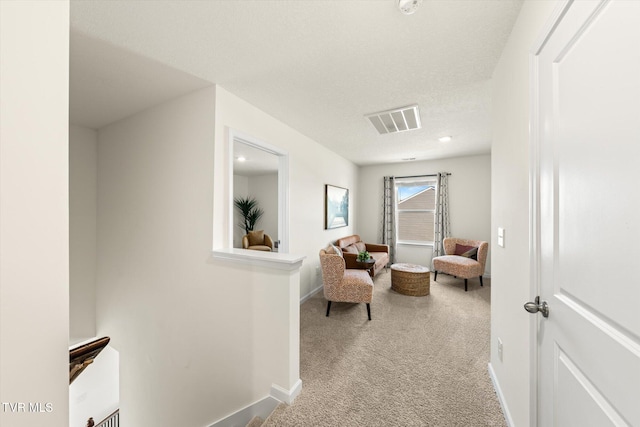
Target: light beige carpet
255,422
420,361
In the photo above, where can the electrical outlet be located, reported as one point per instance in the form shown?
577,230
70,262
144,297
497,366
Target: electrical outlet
500,349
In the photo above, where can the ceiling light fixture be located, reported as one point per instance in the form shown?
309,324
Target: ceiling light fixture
396,120
444,139
408,7
241,159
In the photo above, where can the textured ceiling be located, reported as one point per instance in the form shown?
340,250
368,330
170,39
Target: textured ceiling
256,161
317,65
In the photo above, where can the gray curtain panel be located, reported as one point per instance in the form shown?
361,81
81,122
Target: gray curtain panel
442,226
388,217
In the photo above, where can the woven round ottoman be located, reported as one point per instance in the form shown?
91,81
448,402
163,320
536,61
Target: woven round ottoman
410,279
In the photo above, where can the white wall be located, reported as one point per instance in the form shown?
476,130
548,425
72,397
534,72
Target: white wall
510,209
83,201
265,189
311,167
198,339
469,201
34,208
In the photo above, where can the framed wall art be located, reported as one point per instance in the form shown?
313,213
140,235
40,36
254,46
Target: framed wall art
336,207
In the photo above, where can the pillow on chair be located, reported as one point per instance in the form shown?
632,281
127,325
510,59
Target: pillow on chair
333,249
256,238
337,250
466,251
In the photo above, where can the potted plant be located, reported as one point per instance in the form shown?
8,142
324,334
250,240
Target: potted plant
251,213
363,256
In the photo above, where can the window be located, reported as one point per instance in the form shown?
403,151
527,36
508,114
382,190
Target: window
415,209
263,153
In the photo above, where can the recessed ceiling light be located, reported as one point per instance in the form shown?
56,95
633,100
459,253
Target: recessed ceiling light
408,6
444,139
241,159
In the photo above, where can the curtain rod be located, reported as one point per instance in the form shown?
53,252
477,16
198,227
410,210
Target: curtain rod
421,176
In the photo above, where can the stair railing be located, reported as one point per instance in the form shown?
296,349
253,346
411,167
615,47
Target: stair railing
112,420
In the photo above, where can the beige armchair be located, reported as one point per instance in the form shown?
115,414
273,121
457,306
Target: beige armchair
257,241
344,285
464,258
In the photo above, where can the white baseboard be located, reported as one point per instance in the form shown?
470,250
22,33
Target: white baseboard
501,399
262,408
286,396
310,294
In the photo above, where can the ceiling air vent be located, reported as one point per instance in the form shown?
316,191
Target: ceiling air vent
396,120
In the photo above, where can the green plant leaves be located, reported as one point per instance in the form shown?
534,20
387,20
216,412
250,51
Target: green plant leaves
251,213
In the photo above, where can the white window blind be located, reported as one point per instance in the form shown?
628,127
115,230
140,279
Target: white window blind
415,208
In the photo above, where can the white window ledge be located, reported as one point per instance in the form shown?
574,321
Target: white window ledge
415,243
273,260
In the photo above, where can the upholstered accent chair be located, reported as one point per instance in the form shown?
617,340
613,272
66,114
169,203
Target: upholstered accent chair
344,285
257,241
464,258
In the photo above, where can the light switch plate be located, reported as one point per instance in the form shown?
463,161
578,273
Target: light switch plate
501,237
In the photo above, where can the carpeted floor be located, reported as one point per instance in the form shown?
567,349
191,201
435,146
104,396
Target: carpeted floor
420,361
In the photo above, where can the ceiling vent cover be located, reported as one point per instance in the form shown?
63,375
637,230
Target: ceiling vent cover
396,120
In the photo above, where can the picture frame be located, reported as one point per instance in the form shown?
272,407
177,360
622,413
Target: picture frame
336,207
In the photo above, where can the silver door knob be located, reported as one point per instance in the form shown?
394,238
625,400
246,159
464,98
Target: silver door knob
537,306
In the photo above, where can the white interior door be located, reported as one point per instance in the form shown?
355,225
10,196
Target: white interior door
588,236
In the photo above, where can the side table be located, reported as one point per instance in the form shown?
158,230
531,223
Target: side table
367,265
410,279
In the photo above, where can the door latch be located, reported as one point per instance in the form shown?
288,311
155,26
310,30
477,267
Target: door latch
535,307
